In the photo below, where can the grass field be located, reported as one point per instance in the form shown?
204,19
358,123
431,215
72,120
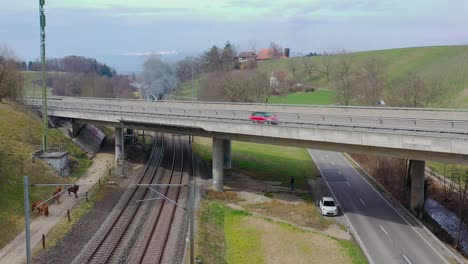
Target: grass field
20,136
319,97
185,89
230,236
266,162
29,88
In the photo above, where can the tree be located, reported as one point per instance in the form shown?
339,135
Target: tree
30,66
11,80
212,60
292,68
227,57
309,67
343,79
372,80
159,76
418,92
236,86
326,66
185,67
277,50
462,193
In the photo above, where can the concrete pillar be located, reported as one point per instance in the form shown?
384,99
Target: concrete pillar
227,153
218,171
118,145
417,186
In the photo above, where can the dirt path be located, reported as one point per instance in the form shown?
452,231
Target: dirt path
14,252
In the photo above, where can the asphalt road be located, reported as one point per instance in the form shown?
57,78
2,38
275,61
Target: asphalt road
384,235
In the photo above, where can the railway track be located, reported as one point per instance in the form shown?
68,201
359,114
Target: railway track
156,243
139,232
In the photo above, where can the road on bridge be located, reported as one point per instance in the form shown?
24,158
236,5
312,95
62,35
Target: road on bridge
386,237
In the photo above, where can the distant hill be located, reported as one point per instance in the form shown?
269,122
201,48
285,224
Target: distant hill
447,64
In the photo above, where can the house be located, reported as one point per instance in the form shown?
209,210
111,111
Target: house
246,56
277,77
269,54
266,54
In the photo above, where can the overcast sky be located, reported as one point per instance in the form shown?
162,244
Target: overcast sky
113,27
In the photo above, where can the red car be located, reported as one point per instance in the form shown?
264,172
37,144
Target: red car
264,117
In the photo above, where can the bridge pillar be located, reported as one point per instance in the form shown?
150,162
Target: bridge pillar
227,153
218,162
417,173
118,145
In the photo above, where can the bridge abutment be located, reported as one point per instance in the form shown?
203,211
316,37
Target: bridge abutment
417,172
118,145
227,153
76,127
218,164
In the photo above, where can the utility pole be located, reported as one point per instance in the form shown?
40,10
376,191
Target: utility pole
26,220
44,86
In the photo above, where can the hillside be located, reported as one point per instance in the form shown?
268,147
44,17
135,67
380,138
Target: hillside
445,64
20,136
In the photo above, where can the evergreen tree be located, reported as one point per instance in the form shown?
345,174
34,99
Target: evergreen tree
212,60
228,56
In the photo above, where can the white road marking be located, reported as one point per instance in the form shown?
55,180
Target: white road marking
363,203
407,259
333,163
348,184
383,229
361,244
404,218
339,172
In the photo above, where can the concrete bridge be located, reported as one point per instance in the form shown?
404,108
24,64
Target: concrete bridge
416,134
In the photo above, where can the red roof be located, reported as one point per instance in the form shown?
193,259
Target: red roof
265,54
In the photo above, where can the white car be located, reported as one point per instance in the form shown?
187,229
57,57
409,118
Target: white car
328,206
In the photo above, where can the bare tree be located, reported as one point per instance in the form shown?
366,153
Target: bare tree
418,92
11,80
236,86
309,67
292,66
188,66
277,50
326,66
462,193
372,80
344,80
